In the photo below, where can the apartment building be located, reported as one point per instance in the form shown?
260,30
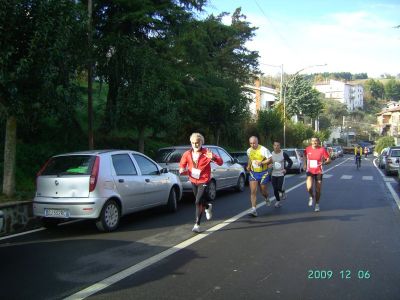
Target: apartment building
352,95
263,97
389,121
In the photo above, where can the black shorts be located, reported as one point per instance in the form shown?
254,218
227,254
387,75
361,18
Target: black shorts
317,177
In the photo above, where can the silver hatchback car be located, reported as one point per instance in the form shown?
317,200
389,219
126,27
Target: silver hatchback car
102,185
230,174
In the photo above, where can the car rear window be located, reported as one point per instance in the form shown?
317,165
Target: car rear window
395,153
291,152
241,157
170,155
70,165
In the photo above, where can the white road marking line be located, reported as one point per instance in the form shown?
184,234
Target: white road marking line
367,178
156,258
346,177
389,185
22,233
388,179
394,194
327,176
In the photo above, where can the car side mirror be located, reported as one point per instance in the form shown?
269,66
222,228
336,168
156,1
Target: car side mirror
164,170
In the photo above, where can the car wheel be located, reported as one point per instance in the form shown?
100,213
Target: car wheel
172,204
240,184
50,223
211,191
109,217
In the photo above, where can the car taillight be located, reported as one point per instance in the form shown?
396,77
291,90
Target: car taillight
41,170
94,174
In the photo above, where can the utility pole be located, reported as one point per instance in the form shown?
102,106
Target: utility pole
90,77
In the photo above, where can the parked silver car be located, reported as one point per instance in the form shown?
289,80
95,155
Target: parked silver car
296,155
382,158
230,174
102,185
392,160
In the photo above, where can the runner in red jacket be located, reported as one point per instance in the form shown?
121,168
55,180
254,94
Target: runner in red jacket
196,163
314,157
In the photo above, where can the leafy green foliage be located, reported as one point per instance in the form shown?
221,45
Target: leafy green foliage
383,142
301,98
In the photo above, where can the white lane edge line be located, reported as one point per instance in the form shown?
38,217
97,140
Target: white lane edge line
158,257
394,194
389,186
22,233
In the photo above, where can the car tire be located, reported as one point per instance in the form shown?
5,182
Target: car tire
172,204
50,223
211,191
109,217
240,184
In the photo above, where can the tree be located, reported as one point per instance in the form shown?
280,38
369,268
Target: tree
383,142
302,99
270,125
39,57
374,88
392,90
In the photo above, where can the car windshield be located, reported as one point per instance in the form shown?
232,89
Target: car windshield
241,157
395,153
70,165
169,155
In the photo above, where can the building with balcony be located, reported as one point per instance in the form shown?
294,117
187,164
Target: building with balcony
263,97
352,95
388,121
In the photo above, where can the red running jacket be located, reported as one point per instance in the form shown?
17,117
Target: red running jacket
203,164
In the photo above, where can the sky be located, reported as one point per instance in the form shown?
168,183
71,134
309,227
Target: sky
356,36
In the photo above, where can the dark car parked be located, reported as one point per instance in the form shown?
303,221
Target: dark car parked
243,159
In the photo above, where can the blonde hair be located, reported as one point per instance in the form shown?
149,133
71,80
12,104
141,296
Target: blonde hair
196,135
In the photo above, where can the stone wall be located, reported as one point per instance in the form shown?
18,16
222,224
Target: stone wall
17,217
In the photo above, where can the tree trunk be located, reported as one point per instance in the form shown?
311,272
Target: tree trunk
218,136
109,122
141,139
9,156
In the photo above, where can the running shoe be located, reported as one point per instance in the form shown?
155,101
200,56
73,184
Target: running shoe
268,202
196,228
316,207
310,201
283,195
278,204
209,212
253,212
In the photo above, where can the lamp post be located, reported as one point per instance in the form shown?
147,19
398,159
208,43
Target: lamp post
291,78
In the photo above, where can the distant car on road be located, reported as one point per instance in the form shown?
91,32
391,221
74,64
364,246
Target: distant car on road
102,185
230,175
296,155
382,158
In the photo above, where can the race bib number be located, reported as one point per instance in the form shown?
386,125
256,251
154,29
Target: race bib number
255,163
277,165
196,173
313,164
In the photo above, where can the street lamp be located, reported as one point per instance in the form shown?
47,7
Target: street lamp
292,77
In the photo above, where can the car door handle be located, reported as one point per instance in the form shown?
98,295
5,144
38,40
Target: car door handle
121,180
147,180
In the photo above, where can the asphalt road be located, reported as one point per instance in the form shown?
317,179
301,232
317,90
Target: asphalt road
348,250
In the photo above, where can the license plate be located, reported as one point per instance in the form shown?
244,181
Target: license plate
56,213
